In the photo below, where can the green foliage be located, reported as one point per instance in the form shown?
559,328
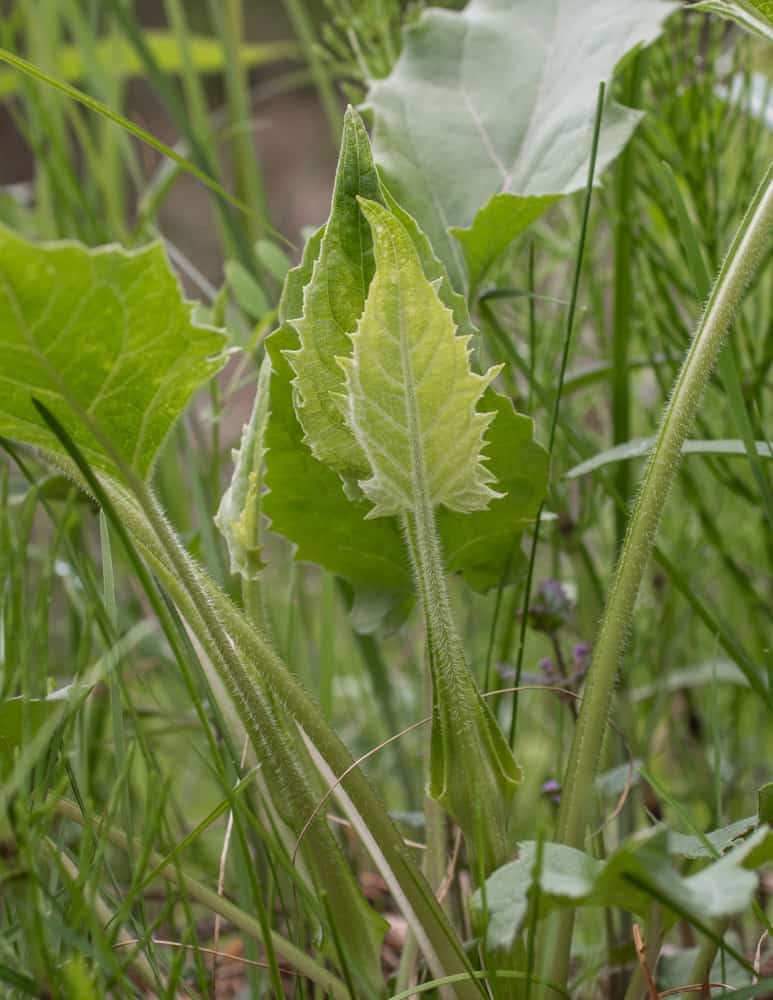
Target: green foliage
507,91
637,871
105,339
411,395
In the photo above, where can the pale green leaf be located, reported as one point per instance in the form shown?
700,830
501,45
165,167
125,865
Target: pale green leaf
238,516
411,394
118,53
499,99
246,289
104,339
756,16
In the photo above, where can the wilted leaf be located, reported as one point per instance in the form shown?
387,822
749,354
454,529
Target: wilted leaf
499,99
105,340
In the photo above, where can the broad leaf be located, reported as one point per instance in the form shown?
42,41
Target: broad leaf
105,340
499,99
638,872
238,516
411,394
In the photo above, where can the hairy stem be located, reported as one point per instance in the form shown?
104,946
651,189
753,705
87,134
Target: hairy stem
746,250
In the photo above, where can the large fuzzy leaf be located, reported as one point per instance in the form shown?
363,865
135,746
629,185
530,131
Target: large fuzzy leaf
105,340
411,394
499,99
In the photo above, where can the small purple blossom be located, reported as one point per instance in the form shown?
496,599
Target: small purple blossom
551,789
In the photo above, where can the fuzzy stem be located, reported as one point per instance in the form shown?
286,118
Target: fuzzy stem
253,664
751,241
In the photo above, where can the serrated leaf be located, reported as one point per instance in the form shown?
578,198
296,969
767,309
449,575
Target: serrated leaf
411,394
756,16
238,516
102,336
499,99
478,544
307,504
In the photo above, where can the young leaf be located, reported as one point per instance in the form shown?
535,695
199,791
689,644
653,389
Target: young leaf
412,396
332,303
100,334
239,511
412,406
498,99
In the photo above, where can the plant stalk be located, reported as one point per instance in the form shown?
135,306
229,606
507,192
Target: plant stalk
751,241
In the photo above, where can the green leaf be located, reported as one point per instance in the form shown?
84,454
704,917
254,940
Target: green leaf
246,289
639,871
499,99
411,393
208,57
496,225
104,338
332,303
478,544
307,504
754,15
238,516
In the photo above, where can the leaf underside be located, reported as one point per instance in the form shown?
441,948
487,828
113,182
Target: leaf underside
499,99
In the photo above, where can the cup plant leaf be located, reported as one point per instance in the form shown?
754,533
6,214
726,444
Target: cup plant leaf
640,870
103,338
306,499
488,114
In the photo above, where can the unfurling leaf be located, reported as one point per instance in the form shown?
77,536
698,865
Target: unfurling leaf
238,516
104,339
411,393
